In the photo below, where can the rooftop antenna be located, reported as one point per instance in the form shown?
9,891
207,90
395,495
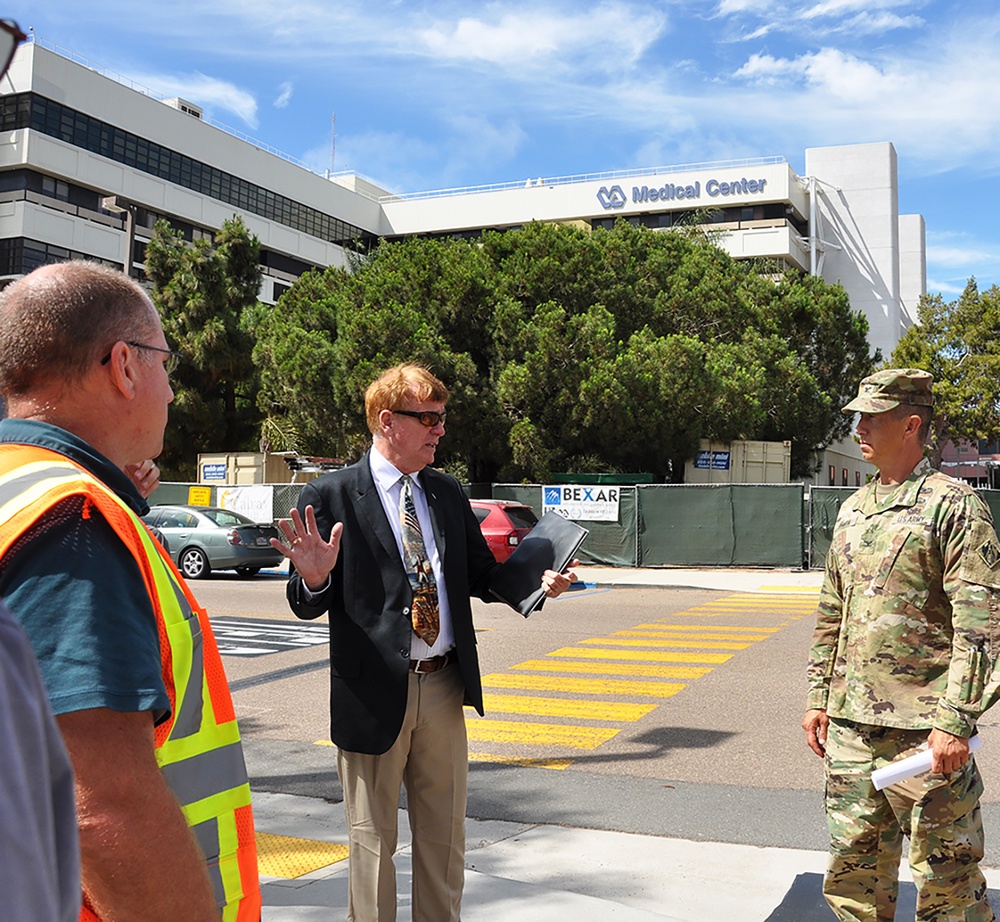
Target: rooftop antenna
333,140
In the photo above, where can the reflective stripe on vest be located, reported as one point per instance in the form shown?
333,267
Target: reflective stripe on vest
198,747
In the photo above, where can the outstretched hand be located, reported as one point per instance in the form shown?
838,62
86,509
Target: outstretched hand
312,557
557,583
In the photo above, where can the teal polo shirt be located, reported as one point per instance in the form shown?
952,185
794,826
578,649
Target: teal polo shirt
78,592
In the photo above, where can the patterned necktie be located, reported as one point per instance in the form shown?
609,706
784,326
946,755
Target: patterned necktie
426,620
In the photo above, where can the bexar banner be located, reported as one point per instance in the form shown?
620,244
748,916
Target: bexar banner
582,502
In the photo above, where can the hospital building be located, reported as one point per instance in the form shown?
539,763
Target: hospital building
89,163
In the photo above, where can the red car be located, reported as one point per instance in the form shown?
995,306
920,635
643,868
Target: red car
504,523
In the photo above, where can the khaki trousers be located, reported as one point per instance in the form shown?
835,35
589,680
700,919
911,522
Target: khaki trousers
430,757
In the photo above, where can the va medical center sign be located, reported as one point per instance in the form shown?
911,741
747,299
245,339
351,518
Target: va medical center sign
614,197
582,503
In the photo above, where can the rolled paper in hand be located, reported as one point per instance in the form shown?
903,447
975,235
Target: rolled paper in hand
902,769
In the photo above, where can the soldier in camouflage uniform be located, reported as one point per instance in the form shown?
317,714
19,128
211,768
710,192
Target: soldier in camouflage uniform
904,654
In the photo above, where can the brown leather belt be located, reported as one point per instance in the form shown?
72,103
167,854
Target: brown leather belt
433,664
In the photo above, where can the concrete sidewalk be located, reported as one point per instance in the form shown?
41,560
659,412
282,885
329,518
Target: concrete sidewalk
554,873
544,873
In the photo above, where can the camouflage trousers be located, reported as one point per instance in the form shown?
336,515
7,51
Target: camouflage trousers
938,813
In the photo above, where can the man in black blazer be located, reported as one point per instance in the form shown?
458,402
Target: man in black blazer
395,697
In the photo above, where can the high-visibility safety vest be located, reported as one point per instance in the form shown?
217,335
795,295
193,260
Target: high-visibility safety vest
198,747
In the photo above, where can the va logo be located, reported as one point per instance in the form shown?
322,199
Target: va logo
553,496
611,198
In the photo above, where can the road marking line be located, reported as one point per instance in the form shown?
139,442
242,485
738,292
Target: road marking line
484,729
808,589
650,656
617,669
691,634
679,642
584,686
565,707
558,765
660,626
290,857
735,607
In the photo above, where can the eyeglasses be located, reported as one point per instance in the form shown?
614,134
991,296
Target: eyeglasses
428,418
173,358
10,37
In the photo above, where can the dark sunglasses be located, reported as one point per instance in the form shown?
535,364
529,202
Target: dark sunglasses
428,418
171,363
10,37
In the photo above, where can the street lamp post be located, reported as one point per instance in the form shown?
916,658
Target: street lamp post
119,205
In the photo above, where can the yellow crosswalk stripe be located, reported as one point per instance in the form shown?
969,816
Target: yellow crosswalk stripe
483,729
558,765
749,609
583,686
661,626
629,669
679,642
758,601
564,707
653,656
691,635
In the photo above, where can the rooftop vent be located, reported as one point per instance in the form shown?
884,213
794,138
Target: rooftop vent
184,106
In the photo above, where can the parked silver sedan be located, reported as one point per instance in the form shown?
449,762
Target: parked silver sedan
205,538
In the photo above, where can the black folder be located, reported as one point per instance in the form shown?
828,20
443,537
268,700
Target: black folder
550,545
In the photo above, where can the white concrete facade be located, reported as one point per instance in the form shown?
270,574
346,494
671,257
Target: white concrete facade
839,221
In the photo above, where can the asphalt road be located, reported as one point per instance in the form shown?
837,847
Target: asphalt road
663,711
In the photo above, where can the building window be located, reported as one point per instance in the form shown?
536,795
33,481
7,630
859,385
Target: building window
55,188
30,110
833,475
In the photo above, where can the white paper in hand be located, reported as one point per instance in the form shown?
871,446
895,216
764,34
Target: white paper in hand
902,769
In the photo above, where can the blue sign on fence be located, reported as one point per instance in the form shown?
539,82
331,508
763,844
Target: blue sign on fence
712,460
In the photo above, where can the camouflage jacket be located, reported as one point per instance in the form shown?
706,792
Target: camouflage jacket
908,626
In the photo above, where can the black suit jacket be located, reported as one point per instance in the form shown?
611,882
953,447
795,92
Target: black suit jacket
369,600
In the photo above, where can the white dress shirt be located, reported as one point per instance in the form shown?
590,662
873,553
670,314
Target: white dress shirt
390,485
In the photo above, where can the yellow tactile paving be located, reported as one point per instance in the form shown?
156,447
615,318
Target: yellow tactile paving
620,669
483,729
583,686
649,656
565,707
289,857
558,765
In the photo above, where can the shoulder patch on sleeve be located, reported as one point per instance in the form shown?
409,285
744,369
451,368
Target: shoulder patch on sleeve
981,559
990,552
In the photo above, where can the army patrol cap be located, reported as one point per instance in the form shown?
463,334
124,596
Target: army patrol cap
886,390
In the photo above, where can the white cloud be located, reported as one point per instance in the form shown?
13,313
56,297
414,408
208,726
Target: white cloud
616,34
867,23
208,92
828,70
733,7
284,97
945,288
956,257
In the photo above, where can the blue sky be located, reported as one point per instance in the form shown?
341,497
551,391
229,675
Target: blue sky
443,94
